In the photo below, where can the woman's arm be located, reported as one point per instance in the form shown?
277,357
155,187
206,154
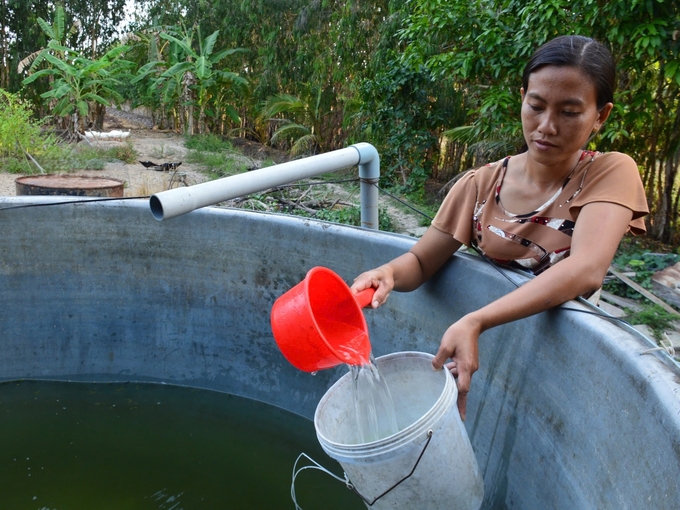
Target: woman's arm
410,270
597,234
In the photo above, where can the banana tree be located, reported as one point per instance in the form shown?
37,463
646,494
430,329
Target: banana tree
188,78
80,83
162,92
58,36
199,76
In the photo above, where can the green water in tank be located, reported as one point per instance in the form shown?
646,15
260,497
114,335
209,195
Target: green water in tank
78,446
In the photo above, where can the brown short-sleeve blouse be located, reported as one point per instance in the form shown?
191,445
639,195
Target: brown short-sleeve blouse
472,212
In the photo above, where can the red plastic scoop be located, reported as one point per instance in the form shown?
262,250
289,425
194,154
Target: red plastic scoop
319,323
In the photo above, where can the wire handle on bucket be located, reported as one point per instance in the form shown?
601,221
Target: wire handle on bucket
316,465
347,481
371,503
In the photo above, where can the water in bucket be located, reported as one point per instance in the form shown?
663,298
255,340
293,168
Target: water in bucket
375,414
428,464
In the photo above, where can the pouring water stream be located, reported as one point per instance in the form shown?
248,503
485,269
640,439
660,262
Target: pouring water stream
375,413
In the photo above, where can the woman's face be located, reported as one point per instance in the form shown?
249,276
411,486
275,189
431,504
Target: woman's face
559,113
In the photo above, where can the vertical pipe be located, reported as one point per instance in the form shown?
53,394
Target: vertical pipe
369,175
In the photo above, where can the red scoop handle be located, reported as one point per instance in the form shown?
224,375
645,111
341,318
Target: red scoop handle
365,297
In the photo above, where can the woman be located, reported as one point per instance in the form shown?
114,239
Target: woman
556,210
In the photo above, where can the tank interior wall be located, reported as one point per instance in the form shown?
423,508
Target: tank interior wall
565,411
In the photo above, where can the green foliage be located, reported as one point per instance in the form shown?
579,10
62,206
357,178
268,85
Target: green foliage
351,215
16,166
56,34
636,257
645,264
216,165
95,164
481,46
655,317
298,122
76,83
190,78
208,143
84,157
215,154
399,118
426,206
54,157
18,132
21,136
345,215
126,153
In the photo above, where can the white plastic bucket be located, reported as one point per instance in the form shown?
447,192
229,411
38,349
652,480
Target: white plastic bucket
431,438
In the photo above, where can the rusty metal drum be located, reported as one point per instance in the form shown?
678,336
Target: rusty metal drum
70,185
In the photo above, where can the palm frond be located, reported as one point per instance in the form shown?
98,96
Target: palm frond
461,134
303,144
282,103
290,130
26,62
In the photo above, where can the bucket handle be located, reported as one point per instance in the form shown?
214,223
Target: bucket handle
371,503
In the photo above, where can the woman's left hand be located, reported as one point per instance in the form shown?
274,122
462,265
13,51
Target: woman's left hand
459,343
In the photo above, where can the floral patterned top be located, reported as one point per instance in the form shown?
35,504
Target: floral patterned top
474,215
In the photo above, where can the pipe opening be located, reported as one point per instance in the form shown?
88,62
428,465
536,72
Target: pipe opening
156,207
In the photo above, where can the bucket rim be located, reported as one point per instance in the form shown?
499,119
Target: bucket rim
407,434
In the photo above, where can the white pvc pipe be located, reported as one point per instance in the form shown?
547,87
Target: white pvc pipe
174,202
369,175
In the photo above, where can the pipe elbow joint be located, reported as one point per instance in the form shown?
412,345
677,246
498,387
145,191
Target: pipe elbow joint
369,160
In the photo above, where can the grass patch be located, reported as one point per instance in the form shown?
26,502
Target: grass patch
216,155
208,143
54,157
14,165
654,317
216,165
125,153
350,215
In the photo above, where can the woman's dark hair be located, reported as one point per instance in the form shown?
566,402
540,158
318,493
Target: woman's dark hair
584,53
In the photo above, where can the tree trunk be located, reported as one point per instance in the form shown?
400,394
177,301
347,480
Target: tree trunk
4,54
670,173
188,99
201,120
99,113
190,120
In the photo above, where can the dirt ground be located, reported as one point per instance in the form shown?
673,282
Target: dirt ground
139,181
151,145
168,147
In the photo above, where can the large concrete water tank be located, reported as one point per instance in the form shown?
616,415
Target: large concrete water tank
568,410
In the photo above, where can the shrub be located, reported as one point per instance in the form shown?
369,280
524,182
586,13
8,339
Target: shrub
207,143
125,153
19,134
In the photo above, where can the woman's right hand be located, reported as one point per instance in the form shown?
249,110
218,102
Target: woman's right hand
408,271
381,279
